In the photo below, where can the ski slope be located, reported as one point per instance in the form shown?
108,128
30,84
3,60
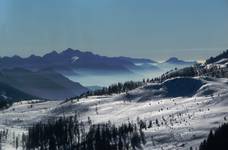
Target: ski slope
183,121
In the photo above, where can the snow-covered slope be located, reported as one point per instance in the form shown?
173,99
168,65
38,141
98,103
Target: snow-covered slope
184,121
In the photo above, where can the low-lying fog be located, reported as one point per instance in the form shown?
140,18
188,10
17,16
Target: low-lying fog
88,78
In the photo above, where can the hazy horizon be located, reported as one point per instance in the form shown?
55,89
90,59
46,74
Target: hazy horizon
154,29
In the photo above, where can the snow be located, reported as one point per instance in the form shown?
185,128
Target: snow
222,61
74,59
186,120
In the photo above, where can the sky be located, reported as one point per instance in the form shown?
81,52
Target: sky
156,29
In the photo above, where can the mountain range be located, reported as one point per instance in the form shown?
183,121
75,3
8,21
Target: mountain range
72,62
69,61
47,76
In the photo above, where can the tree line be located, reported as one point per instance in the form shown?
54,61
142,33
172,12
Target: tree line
217,139
217,58
72,134
113,89
4,104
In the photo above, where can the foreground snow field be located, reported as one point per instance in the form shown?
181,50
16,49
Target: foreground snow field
183,122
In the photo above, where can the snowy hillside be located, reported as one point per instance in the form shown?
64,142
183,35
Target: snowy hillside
182,122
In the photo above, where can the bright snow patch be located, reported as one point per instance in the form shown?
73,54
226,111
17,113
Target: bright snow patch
74,59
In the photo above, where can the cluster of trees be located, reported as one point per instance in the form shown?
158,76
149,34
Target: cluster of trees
185,72
117,88
196,70
69,133
113,89
216,139
3,136
215,71
5,103
217,58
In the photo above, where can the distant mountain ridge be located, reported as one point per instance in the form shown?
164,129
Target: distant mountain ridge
70,60
175,60
74,62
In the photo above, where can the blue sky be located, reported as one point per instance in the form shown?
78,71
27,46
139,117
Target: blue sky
156,29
